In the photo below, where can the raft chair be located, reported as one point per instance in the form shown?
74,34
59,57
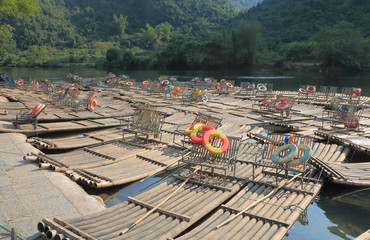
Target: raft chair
199,118
325,93
76,102
282,108
277,158
247,88
145,121
29,116
214,164
266,104
306,93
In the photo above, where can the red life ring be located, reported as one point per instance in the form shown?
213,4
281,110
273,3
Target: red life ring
218,86
356,92
229,85
196,128
302,90
265,102
147,82
311,88
20,82
282,105
215,133
165,82
175,90
93,104
355,124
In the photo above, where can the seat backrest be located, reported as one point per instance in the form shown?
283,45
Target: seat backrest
274,141
207,120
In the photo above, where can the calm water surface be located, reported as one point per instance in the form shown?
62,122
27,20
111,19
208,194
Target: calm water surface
337,213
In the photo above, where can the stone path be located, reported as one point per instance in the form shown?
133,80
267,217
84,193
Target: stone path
27,194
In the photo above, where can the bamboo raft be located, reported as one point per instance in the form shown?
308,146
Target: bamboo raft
197,198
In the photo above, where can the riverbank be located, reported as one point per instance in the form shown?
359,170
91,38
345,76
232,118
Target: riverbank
28,194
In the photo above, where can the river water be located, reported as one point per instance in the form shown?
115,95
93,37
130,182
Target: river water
339,212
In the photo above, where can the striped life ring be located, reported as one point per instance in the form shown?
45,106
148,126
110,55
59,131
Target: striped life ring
311,88
215,133
93,104
147,82
302,90
20,82
35,109
229,85
165,82
289,155
261,87
197,128
307,154
175,90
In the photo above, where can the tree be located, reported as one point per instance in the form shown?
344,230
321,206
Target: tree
338,45
122,23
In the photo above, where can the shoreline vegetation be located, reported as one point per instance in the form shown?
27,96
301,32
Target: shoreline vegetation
112,35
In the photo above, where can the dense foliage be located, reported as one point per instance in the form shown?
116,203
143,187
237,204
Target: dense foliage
185,33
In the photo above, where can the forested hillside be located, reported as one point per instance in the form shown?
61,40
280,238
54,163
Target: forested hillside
188,33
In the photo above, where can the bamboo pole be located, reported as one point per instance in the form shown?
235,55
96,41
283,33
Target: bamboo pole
256,202
160,204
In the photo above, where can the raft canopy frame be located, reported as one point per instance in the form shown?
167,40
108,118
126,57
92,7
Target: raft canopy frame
274,141
145,121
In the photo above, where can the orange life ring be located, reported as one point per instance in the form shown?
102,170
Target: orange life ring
311,88
229,85
175,90
215,133
356,92
20,82
93,104
302,90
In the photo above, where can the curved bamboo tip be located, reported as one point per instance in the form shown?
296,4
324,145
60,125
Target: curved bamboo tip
30,158
30,140
51,234
44,165
59,237
41,226
123,232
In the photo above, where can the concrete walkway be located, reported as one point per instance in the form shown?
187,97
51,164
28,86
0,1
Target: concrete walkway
28,194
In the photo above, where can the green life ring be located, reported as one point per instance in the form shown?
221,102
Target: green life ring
292,153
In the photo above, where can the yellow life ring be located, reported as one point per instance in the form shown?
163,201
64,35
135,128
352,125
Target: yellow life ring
197,128
215,133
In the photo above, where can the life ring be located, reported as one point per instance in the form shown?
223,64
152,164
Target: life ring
344,107
289,155
197,128
282,105
35,109
261,87
173,79
356,92
218,86
311,88
307,154
355,124
147,82
165,82
265,102
215,133
229,85
122,82
93,104
302,90
169,87
223,80
20,82
190,129
129,83
205,98
175,90
195,79
208,80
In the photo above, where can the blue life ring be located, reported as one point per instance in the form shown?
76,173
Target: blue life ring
169,87
292,153
344,110
307,154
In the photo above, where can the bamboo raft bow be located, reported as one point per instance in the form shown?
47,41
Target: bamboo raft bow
159,205
256,202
